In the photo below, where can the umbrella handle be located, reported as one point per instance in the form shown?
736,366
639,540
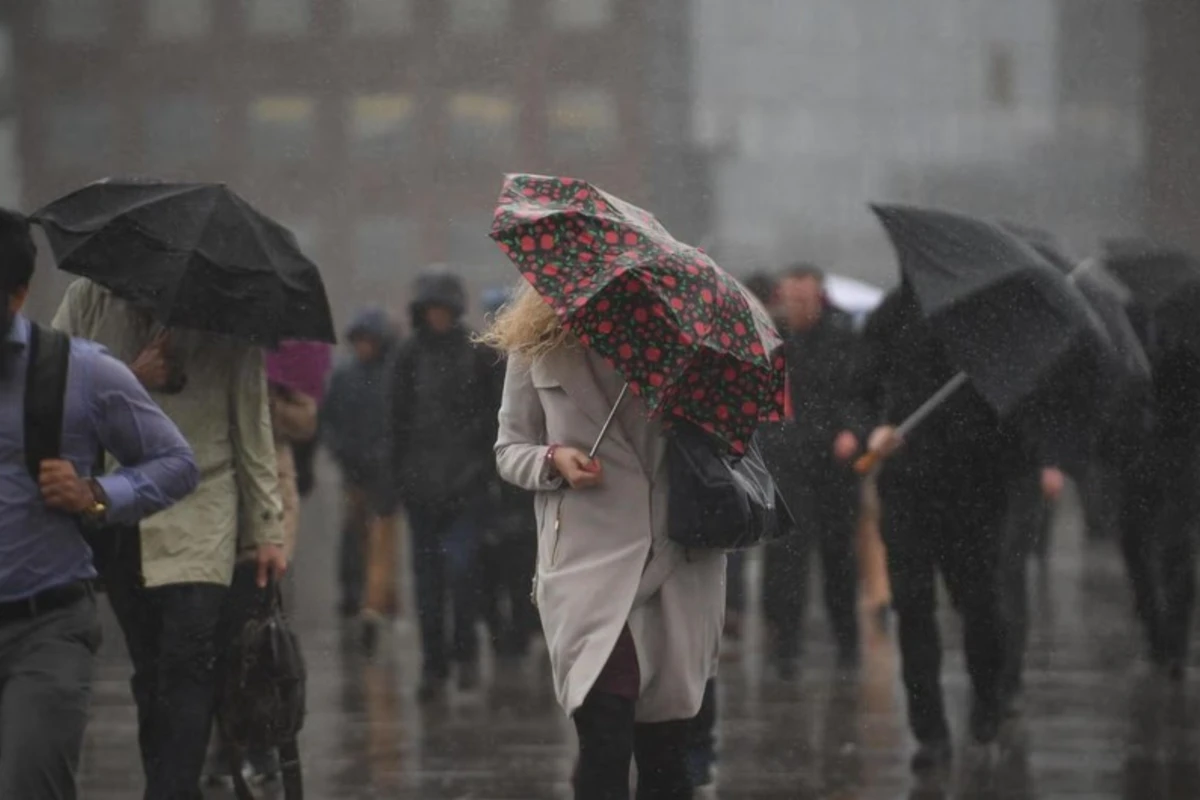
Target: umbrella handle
867,461
872,458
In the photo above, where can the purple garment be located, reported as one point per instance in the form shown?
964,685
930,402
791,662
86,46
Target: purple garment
105,407
300,366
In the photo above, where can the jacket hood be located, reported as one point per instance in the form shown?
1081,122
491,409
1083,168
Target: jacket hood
372,322
437,288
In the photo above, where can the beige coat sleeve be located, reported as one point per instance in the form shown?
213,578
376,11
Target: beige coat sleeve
521,447
255,463
72,314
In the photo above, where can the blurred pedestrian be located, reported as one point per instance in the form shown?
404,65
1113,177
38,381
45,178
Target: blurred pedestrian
814,471
633,623
167,581
945,497
444,396
49,630
353,422
508,552
1154,449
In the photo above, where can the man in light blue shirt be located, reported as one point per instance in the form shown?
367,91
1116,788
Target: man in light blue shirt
49,630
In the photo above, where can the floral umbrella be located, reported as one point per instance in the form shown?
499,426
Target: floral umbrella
686,336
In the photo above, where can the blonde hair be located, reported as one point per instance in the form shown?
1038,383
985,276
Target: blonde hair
527,326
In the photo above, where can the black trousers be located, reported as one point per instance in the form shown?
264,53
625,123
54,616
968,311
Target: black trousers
1158,520
826,510
445,557
609,740
1025,529
170,633
506,567
930,526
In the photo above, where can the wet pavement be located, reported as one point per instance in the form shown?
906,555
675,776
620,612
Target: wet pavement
1097,724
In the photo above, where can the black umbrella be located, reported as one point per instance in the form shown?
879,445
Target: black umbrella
1107,298
195,254
1023,336
1164,283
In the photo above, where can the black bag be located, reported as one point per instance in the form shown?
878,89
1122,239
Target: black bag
261,692
719,501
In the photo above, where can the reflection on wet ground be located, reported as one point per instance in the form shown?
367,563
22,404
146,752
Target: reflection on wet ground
1096,724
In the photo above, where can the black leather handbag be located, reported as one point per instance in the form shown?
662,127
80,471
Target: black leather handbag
719,500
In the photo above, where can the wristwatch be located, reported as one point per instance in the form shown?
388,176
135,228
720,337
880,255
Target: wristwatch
99,507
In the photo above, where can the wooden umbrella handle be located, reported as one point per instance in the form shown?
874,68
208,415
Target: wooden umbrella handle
867,461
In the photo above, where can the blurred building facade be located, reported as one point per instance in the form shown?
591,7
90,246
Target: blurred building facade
378,130
1024,109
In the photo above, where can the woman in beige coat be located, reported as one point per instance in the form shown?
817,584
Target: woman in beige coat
633,621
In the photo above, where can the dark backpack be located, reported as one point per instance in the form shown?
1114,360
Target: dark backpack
45,395
261,692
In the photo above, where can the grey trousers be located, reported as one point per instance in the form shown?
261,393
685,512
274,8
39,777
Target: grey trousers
46,666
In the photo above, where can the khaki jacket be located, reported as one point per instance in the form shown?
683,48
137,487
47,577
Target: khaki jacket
224,415
604,559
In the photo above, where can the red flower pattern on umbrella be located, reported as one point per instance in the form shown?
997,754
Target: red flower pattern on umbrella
688,338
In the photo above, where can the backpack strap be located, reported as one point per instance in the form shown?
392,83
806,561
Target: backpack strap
45,395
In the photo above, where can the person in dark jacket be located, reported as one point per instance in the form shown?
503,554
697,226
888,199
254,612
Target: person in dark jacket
351,419
812,455
945,498
445,399
1154,449
509,553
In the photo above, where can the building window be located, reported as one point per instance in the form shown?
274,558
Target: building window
80,132
582,120
1000,78
381,125
581,15
178,20
279,17
481,124
77,20
180,130
478,16
379,17
384,245
282,127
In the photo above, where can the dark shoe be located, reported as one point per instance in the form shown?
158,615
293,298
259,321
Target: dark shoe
1175,670
468,677
985,722
932,756
786,669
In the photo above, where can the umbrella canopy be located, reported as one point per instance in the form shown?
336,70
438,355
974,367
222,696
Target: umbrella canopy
194,254
1107,300
1165,283
685,335
1025,337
